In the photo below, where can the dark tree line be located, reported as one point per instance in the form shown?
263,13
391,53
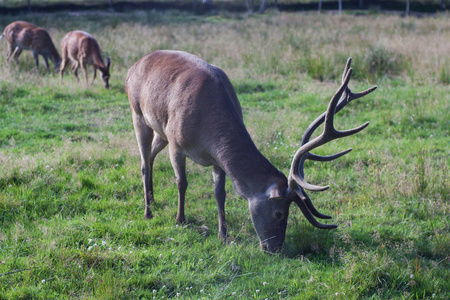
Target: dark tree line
250,4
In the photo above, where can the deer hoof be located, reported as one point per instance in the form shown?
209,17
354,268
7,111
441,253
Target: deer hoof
181,220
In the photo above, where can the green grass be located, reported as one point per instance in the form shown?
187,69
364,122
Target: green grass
71,211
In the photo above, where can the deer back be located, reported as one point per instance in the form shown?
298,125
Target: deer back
187,102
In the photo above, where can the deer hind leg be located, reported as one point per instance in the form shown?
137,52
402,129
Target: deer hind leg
150,144
178,160
36,59
10,52
16,53
157,145
220,194
63,65
74,68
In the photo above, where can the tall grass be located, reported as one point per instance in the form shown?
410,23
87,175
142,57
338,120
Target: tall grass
71,193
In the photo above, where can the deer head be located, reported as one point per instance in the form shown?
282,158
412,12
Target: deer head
105,72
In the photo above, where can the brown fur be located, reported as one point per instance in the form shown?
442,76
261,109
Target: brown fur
25,36
82,49
181,101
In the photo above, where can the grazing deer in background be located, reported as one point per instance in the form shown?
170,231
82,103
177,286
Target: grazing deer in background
82,49
179,100
25,36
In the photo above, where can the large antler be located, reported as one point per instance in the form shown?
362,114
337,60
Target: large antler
297,182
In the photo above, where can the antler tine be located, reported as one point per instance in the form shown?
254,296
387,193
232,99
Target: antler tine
315,157
331,111
353,96
328,157
297,182
309,216
347,66
329,133
305,198
341,98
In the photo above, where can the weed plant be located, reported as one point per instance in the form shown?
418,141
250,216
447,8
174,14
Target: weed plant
71,209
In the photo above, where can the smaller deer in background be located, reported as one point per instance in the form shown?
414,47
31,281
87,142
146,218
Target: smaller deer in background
82,49
26,36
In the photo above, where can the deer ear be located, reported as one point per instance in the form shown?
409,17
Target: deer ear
275,193
108,63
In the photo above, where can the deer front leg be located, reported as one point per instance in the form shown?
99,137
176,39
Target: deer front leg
220,194
178,161
46,62
95,75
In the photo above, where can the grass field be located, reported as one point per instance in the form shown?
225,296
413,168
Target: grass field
71,209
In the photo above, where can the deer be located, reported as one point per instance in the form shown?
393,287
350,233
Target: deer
179,100
82,49
26,36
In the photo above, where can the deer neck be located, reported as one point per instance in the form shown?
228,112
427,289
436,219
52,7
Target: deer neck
54,55
250,172
98,61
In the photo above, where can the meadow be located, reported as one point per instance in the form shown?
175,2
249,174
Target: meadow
71,195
